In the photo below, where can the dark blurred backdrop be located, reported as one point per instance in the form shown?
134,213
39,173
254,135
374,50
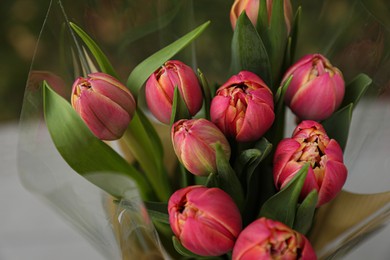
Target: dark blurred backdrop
19,27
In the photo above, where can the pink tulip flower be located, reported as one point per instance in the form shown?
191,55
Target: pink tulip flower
105,105
161,85
243,107
194,143
316,89
205,220
268,239
310,144
251,8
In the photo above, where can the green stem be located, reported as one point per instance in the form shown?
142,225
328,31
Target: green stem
139,144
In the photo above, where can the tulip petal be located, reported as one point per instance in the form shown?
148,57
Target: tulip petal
258,119
334,179
301,73
197,156
158,101
283,153
121,97
194,144
263,95
310,184
160,88
243,107
339,88
200,244
219,105
319,95
189,88
308,252
106,119
334,152
209,220
223,207
269,239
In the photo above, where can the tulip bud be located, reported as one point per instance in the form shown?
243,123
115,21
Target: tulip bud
251,8
161,85
310,144
269,239
243,107
105,105
205,220
316,89
194,144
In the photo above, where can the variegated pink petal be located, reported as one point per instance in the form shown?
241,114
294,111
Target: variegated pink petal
334,179
283,154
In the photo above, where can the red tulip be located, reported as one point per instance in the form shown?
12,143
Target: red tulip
243,107
161,85
316,89
194,144
251,8
269,239
104,104
310,144
205,220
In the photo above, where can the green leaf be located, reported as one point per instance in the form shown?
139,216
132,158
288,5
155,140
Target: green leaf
305,213
264,146
158,211
207,93
278,38
356,89
276,133
248,50
292,40
252,175
141,73
274,37
182,250
262,19
179,107
337,126
153,140
145,145
277,27
279,96
98,54
282,206
249,159
84,152
225,178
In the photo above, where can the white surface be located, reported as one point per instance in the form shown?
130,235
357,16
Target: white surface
29,229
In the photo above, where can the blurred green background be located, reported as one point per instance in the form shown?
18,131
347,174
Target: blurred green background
354,34
19,28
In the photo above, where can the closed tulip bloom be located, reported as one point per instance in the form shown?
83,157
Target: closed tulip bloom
105,105
251,8
161,85
205,220
310,144
194,142
316,89
243,107
269,239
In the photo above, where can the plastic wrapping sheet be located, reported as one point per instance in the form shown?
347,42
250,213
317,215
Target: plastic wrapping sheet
358,40
118,229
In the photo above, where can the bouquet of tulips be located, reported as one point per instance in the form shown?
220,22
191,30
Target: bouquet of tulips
238,185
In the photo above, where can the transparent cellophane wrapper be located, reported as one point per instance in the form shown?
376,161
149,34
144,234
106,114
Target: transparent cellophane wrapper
353,34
